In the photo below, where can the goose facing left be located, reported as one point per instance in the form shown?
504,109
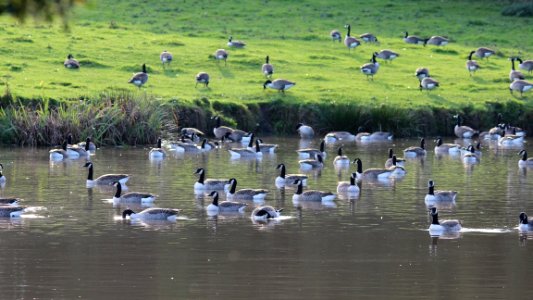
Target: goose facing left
434,197
311,195
309,164
371,68
131,197
525,65
524,224
265,213
152,214
350,41
245,194
285,179
514,74
224,206
348,187
414,151
71,63
140,78
10,211
209,185
106,179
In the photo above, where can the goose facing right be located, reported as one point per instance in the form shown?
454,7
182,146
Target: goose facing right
153,214
520,86
350,41
106,179
514,74
10,201
483,52
312,152
209,185
413,39
414,151
428,84
348,187
310,163
202,78
371,68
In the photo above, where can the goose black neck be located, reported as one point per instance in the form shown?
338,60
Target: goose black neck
201,178
64,145
512,64
215,199
251,142
69,139
257,148
359,166
322,146
339,151
267,59
144,68
470,55
352,179
349,30
435,218
282,171
201,146
119,190
87,144
523,218
390,152
423,144
439,142
524,155
217,119
127,212
90,176
158,143
394,160
233,186
431,190
299,190
406,34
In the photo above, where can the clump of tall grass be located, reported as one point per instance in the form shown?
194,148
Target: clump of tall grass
520,9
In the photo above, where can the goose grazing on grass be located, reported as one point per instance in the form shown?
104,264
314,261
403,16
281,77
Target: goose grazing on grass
387,55
384,174
106,179
348,187
202,78
438,197
524,161
350,41
166,58
368,38
312,152
428,84
209,185
10,201
221,54
139,79
446,148
224,206
152,214
71,63
400,162
338,136
463,132
471,65
335,35
514,74
341,160
59,153
284,179
9,211
279,84
525,65
521,86
310,163
524,224
305,131
311,195
437,41
245,194
2,177
266,212
267,69
413,39
131,197
371,68
235,44
415,151
157,152
422,73
483,52
247,152
446,226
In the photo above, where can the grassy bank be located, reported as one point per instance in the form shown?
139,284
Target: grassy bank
111,39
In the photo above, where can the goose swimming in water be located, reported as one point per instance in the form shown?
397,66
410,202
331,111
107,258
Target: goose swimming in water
524,161
209,185
348,187
311,195
10,211
305,131
400,162
152,214
106,179
312,152
341,160
245,194
308,164
288,179
447,148
434,197
131,197
446,226
157,152
224,206
414,151
266,212
524,224
10,201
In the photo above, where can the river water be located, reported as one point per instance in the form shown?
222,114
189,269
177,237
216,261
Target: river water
72,243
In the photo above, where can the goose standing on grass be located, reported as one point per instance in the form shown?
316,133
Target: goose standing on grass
524,161
446,148
422,73
463,132
368,38
415,151
400,162
471,65
106,179
209,185
312,152
267,68
446,226
58,154
348,187
524,224
158,152
384,174
279,84
224,206
341,160
131,197
152,214
525,65
437,41
428,84
305,131
244,194
10,211
483,52
371,68
235,44
71,63
202,78
284,179
521,86
2,177
350,41
266,212
310,163
166,58
311,195
434,198
335,35
139,79
413,39
221,54
514,74
387,55
338,136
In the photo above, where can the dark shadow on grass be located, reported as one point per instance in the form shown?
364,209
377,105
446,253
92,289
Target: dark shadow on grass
225,70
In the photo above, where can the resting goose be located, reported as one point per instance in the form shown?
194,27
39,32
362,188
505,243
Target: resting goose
438,197
369,38
140,78
244,194
350,41
10,201
413,39
247,152
338,136
310,163
266,212
422,73
59,153
471,65
400,162
414,151
524,161
514,74
224,206
341,160
267,148
378,136
446,148
525,65
71,63
371,68
92,146
76,151
446,226
235,44
311,195
288,179
202,78
267,69
305,131
384,174
463,132
106,179
348,187
510,140
9,211
335,35
312,152
470,157
524,224
209,185
157,152
279,84
190,131
131,197
152,214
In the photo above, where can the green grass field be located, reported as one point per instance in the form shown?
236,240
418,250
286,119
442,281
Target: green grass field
112,39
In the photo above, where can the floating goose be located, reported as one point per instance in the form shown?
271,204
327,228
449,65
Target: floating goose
224,206
10,211
446,226
378,136
438,197
106,179
463,132
359,169
288,179
312,152
340,159
337,136
447,148
153,214
245,194
305,131
59,153
235,135
470,157
524,161
384,174
157,152
311,195
131,197
524,224
279,84
348,187
414,151
139,79
209,185
264,213
92,146
393,160
247,152
510,140
309,164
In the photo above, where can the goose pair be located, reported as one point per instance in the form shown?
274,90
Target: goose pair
312,152
371,68
311,195
152,214
284,179
235,135
104,180
140,78
524,161
436,198
514,74
131,197
209,185
510,140
244,194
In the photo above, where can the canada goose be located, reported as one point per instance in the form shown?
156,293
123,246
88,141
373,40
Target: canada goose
221,54
106,179
209,185
387,55
305,131
312,152
266,212
202,77
75,151
2,177
495,132
9,211
10,201
335,35
348,187
187,146
521,86
267,148
369,38
436,197
189,131
525,65
428,84
59,153
371,68
437,41
71,63
359,169
378,136
483,52
157,152
422,73
510,140
470,149
245,194
153,214
341,160
470,157
139,79
224,206
247,152
448,148
524,224
400,162
267,68
413,39
92,146
463,132
279,84
165,57
311,195
338,136
471,65
350,41
447,226
220,131
308,164
514,130
524,161
235,44
131,197
414,151
384,174
514,74
288,179
206,145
